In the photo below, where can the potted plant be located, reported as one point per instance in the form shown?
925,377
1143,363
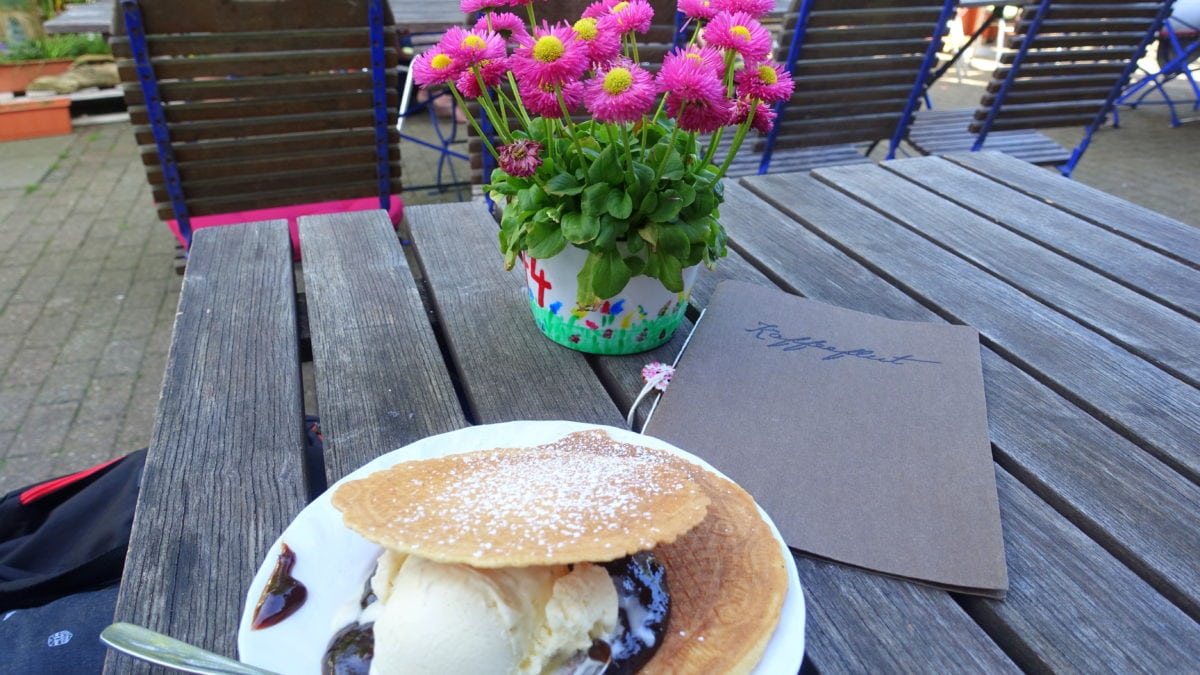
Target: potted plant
24,61
610,216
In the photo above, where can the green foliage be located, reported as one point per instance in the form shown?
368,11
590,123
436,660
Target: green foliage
653,211
60,46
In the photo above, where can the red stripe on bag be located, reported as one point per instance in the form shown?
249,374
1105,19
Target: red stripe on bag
38,491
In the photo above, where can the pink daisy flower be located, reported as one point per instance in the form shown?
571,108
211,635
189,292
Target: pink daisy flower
519,3
540,100
764,115
551,56
755,8
602,45
472,6
435,67
693,74
510,26
699,9
702,116
767,81
469,47
622,93
521,158
493,72
740,32
628,15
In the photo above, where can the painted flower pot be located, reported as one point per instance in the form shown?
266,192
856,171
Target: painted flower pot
643,316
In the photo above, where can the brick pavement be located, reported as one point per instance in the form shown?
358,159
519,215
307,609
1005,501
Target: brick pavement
87,299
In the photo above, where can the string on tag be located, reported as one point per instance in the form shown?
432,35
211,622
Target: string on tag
656,376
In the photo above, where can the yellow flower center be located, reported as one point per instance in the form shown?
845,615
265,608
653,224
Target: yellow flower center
548,49
474,42
740,31
586,29
441,62
693,56
767,74
619,7
617,80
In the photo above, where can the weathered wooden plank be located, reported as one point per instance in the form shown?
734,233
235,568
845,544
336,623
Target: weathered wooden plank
1170,282
224,474
1145,402
478,303
1159,334
1052,629
1145,514
381,378
1165,235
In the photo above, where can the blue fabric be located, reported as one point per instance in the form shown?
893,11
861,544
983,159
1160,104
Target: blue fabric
60,637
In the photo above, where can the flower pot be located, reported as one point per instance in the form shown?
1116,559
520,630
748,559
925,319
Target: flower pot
643,316
34,117
15,77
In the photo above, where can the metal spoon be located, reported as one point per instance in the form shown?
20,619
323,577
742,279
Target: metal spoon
164,650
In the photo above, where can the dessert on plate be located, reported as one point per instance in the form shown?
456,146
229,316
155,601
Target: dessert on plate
578,556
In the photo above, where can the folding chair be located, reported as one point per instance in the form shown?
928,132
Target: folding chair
246,110
860,68
1178,47
1065,66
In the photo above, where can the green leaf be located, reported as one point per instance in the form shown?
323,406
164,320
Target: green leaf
619,204
636,264
673,241
635,245
606,168
564,184
671,273
649,203
595,199
669,205
609,274
546,244
530,199
579,228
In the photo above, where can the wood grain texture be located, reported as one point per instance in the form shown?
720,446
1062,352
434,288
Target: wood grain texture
1165,235
1142,400
1147,328
224,473
1140,510
508,369
381,379
1169,281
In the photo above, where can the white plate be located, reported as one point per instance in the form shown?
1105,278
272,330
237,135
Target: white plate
334,562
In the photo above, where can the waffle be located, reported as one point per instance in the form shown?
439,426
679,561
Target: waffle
583,498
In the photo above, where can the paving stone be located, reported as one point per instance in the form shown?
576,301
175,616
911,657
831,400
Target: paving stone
36,287
88,444
44,428
52,327
135,322
30,366
65,383
122,356
84,345
17,317
26,469
106,398
14,402
11,276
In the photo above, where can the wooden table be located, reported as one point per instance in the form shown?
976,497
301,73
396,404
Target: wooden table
1087,307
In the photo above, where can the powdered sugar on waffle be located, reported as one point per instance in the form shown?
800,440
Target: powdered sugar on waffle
585,497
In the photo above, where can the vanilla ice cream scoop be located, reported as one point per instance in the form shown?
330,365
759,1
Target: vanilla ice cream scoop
452,618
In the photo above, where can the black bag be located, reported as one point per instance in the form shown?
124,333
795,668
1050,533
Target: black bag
69,534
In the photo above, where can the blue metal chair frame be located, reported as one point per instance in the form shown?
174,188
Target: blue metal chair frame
795,50
1179,65
132,14
1109,104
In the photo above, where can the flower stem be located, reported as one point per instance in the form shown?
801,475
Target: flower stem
569,123
474,124
738,137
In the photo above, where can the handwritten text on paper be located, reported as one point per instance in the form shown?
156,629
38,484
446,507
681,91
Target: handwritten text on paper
769,333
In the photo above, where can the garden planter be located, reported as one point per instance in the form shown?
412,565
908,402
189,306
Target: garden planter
15,77
34,117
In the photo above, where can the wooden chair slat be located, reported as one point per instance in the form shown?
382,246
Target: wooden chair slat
268,41
265,107
265,87
260,63
328,192
285,146
279,124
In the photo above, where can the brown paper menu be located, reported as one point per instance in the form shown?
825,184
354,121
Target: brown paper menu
864,438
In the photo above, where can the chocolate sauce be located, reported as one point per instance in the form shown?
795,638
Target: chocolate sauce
645,607
643,600
282,595
350,651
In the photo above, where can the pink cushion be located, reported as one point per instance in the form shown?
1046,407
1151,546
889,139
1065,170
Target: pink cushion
291,213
